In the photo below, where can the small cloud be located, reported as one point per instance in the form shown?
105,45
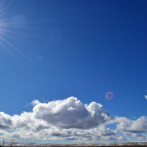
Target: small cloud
145,97
35,102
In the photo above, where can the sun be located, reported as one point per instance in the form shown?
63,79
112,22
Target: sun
8,27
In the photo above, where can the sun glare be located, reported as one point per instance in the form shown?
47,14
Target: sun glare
9,26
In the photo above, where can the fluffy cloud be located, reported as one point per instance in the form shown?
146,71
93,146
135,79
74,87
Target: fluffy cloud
5,121
145,97
133,126
71,113
70,119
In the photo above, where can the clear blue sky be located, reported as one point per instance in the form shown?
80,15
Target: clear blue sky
55,49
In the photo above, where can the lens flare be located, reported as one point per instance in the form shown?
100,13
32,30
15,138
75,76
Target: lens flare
109,96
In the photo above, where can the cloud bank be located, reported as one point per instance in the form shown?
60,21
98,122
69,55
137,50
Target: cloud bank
70,119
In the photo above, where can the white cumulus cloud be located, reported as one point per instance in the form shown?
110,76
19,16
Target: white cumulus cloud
133,126
71,113
70,119
5,121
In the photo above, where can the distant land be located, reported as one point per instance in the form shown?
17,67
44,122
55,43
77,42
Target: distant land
130,144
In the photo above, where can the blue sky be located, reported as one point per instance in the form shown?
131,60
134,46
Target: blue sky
52,50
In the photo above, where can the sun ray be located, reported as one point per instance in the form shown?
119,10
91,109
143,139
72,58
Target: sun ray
8,26
8,31
12,46
3,6
17,50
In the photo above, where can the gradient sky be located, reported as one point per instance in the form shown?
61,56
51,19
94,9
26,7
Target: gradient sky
54,49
